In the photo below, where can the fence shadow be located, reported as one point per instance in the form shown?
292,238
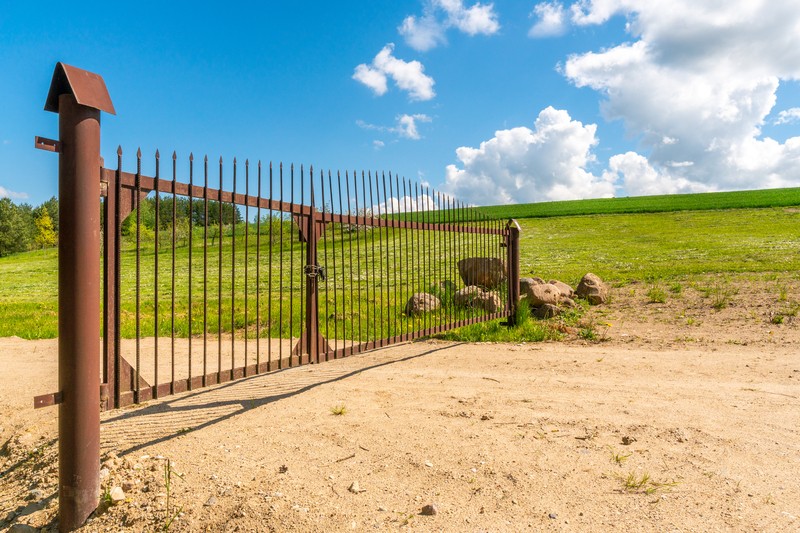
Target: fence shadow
164,420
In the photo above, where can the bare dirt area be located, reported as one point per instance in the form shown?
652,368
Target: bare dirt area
679,417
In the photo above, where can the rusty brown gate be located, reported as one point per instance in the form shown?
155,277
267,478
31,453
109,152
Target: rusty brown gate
214,271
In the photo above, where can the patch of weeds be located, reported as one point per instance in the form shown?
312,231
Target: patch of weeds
588,334
643,483
593,331
619,458
720,295
170,516
676,288
776,319
657,295
339,410
783,293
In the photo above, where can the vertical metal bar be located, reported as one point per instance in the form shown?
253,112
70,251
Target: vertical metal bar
191,243
280,280
221,226
388,303
258,273
374,281
422,252
303,221
335,291
291,269
513,270
269,283
138,203
79,312
409,250
172,291
311,316
205,270
350,257
246,242
393,277
110,332
341,238
155,278
366,254
325,255
233,269
357,277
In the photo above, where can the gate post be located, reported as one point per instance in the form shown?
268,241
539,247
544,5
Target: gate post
513,270
78,97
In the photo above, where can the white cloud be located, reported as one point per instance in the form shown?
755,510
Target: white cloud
551,20
407,203
788,116
429,30
7,193
409,76
696,85
405,126
521,165
378,144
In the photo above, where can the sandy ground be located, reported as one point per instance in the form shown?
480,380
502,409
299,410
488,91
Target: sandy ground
682,418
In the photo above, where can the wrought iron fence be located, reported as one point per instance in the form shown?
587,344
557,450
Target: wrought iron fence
289,266
202,285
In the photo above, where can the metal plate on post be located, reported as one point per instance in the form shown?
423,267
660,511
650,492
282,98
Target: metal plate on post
88,88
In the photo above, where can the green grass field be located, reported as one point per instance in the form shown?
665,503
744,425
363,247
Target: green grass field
618,247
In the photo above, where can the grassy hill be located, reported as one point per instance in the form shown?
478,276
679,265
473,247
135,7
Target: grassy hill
650,204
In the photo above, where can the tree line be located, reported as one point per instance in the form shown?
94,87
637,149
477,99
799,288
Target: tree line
24,227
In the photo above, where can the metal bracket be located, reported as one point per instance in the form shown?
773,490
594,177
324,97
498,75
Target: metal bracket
48,145
314,271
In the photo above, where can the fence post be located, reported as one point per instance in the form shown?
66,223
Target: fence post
513,270
78,97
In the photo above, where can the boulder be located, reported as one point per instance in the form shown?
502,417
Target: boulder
465,296
546,311
422,302
566,290
526,283
593,289
538,295
488,301
486,272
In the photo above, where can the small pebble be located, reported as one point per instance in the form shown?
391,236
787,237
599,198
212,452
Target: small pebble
429,510
428,464
354,487
552,516
117,495
211,501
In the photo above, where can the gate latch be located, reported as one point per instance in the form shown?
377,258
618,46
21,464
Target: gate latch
314,271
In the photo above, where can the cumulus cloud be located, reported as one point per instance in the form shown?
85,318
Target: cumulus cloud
429,30
409,76
788,116
405,126
695,85
7,193
403,204
552,20
522,165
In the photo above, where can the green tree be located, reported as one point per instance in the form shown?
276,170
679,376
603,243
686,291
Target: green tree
14,230
45,233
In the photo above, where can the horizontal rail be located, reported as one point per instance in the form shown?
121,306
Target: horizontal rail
148,184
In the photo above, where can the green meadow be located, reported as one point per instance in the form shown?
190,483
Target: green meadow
660,244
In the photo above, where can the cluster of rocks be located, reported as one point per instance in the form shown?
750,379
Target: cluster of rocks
479,274
549,299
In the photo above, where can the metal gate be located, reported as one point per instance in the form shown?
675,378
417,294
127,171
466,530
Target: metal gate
213,272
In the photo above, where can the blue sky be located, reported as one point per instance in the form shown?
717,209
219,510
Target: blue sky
510,101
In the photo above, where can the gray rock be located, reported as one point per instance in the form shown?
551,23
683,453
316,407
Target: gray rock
543,294
546,311
488,301
117,495
210,502
592,289
465,296
422,302
23,528
486,272
429,510
35,494
566,290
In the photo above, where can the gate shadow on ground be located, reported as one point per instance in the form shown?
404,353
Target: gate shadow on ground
164,420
